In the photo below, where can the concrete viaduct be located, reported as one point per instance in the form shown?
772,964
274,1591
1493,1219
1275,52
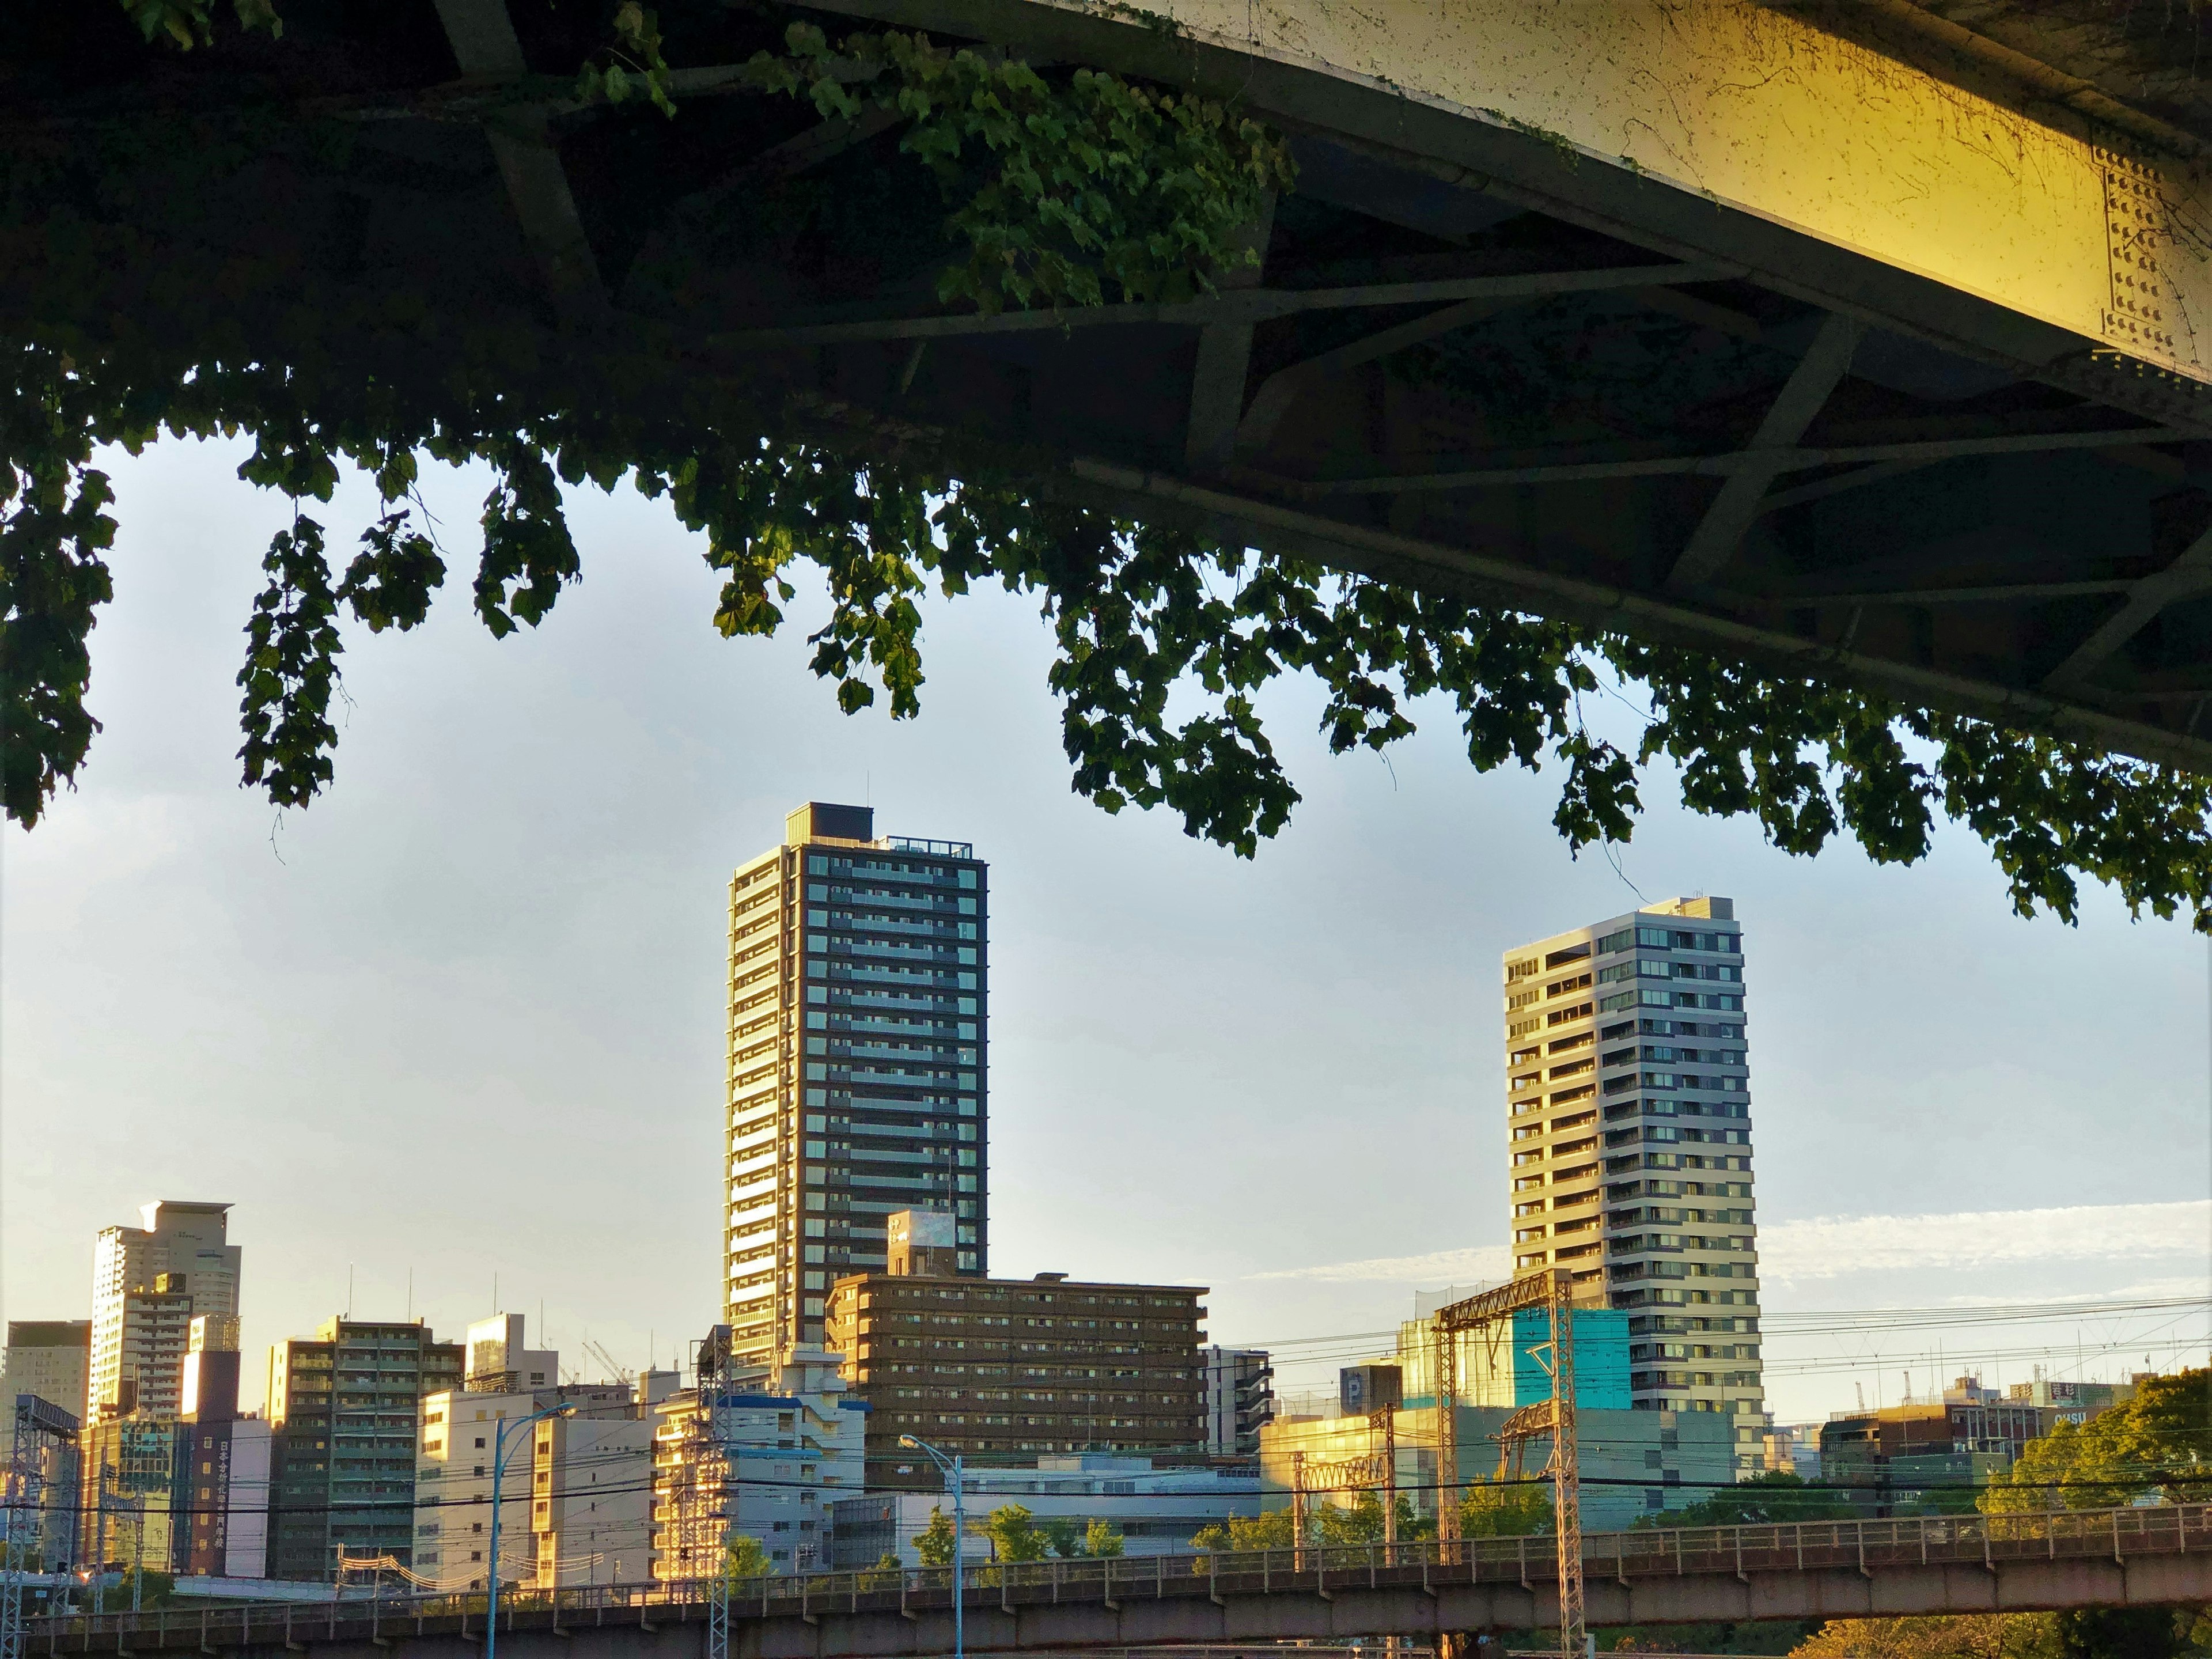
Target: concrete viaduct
1812,1570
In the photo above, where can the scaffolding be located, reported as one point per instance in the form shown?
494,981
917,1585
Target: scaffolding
1491,1314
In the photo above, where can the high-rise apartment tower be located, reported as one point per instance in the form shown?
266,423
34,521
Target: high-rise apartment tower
1629,1111
859,978
147,1284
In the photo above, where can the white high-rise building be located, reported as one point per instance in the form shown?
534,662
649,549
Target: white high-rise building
1628,1110
148,1283
857,1084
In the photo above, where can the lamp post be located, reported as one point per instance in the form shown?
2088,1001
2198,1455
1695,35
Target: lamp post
950,1466
501,1429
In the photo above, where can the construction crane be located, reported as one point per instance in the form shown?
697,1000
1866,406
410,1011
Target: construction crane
616,1370
1554,1290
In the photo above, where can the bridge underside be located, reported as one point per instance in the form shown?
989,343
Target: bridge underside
1797,332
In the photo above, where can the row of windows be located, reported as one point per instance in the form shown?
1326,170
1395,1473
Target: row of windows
824,864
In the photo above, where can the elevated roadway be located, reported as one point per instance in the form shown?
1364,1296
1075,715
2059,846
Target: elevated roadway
2118,1558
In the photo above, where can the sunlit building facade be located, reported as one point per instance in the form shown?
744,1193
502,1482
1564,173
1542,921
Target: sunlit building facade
859,1053
1628,1111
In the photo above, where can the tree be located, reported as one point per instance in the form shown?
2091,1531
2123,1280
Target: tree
2156,1440
1488,1510
1065,1535
1102,1538
745,1557
1270,1530
1775,1496
933,1543
1014,1534
1974,1636
1359,1522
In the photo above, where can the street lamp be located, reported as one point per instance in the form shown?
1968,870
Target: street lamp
501,1429
950,1466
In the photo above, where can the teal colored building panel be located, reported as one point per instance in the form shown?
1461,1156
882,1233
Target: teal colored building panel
1601,1358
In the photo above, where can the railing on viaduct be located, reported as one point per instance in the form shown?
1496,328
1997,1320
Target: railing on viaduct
1192,1599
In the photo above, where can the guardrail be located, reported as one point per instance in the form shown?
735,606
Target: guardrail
1863,1547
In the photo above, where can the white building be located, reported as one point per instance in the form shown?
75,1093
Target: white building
1628,1109
574,1490
1157,1512
1240,1400
148,1283
793,1443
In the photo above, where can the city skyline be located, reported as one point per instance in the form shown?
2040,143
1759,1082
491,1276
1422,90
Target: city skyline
405,961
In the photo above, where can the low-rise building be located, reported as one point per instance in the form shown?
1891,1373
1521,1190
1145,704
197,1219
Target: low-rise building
1155,1511
1017,1369
1897,1455
1633,1463
758,1454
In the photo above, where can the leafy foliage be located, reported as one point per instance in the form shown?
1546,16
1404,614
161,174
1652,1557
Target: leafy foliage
1097,189
192,22
1516,1510
1102,1538
291,669
2160,1441
1271,1530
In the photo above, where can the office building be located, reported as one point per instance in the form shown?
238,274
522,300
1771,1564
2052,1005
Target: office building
147,1282
1892,1456
1152,1510
1628,1109
221,1487
574,1492
343,1409
1240,1400
1008,1369
764,1455
859,1040
128,1511
51,1358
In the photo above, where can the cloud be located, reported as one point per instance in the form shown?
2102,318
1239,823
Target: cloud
1828,1247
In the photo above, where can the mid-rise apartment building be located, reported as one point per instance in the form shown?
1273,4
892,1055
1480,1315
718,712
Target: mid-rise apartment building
575,1491
1628,1108
1012,1368
343,1409
1240,1400
147,1282
51,1358
858,1041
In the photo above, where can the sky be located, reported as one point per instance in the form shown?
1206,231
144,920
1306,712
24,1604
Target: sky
450,1038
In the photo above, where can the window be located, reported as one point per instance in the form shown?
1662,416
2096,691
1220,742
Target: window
1654,937
1572,953
1520,970
1619,941
1559,987
1617,972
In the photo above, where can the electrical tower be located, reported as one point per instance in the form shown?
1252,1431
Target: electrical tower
713,1450
36,1430
1554,1290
